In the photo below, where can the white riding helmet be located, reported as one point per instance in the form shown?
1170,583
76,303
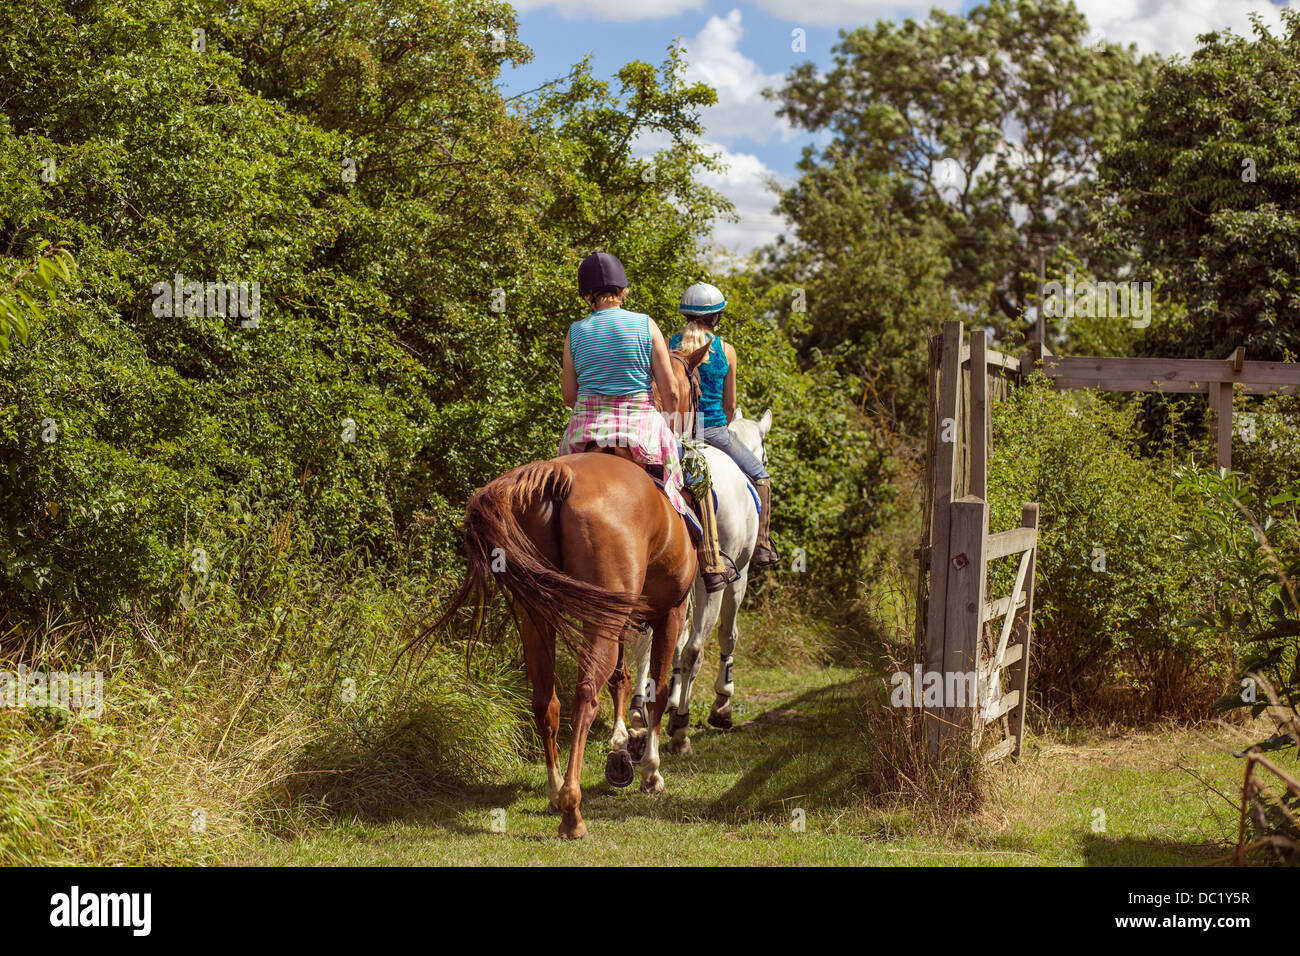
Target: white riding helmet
702,299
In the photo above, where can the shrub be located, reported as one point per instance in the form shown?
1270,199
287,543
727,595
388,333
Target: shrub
1253,541
1114,586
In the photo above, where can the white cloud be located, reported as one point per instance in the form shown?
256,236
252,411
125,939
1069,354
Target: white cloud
745,183
744,180
613,9
713,56
851,13
1171,26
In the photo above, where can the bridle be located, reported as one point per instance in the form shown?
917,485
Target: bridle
693,378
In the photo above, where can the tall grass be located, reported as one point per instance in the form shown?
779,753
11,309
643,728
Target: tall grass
249,711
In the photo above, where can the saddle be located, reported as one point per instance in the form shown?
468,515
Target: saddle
656,473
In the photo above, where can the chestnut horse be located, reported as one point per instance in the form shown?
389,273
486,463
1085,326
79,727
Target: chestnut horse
587,546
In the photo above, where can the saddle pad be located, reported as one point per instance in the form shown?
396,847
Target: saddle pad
689,515
753,493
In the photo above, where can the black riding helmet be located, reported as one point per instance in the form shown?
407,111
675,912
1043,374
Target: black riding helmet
601,272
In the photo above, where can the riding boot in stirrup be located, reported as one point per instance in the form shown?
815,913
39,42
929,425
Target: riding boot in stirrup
716,568
765,555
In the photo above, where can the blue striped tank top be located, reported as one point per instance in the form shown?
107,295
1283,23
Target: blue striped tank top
611,352
713,374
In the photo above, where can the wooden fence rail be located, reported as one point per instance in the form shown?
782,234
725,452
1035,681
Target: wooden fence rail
1213,377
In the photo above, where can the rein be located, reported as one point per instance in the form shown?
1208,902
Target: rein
693,377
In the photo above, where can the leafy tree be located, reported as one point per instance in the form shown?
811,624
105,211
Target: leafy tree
413,235
1207,188
17,304
863,291
982,131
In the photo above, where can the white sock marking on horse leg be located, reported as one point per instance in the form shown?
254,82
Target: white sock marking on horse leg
651,780
554,781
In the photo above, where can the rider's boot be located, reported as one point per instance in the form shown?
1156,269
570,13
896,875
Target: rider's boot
716,569
764,551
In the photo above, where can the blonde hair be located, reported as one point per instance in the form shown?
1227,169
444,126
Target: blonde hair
606,298
695,335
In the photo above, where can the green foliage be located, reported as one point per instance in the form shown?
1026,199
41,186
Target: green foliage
413,236
262,713
861,290
1253,542
832,475
1208,189
930,109
17,304
1114,640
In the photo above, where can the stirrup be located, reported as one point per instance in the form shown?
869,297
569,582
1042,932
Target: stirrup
715,581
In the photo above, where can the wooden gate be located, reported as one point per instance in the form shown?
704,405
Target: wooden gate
983,672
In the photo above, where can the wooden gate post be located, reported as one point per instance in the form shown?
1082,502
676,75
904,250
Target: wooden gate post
979,413
966,573
942,478
1021,633
1221,399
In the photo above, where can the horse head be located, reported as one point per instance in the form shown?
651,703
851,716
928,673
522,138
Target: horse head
752,433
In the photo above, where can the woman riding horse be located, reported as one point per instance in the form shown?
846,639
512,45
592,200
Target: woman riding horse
610,360
704,305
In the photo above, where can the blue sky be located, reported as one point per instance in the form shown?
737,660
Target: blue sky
741,46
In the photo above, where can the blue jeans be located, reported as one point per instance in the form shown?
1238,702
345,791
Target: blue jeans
721,439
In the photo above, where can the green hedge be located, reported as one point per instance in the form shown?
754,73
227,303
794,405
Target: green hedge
1115,586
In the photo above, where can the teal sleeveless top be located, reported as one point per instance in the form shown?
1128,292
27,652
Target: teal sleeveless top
611,352
712,375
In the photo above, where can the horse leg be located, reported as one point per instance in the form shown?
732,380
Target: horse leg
640,641
618,765
644,687
690,657
728,634
675,685
666,631
596,664
539,660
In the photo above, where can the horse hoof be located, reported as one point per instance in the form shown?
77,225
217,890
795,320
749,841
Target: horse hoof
618,769
722,721
681,746
636,747
654,785
575,832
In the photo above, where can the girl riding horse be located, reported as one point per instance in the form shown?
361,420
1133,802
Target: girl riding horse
704,305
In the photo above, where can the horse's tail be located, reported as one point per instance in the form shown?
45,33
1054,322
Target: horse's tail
498,548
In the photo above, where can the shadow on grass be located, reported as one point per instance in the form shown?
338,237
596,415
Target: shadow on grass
801,752
1099,849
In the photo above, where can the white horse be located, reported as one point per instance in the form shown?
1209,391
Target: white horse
737,535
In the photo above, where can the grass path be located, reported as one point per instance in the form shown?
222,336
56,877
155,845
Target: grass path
797,746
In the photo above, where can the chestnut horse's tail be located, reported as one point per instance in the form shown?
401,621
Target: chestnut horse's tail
499,548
